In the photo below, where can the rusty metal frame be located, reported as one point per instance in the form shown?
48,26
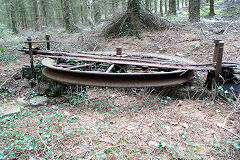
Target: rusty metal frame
104,79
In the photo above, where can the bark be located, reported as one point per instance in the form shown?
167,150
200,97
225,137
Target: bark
136,18
36,14
113,7
97,12
123,5
172,7
155,6
178,1
22,14
13,17
166,7
161,7
194,10
186,3
68,18
211,8
147,3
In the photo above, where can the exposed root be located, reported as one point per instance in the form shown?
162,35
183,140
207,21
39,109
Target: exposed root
132,21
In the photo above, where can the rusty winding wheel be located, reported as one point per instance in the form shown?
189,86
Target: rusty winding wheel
117,71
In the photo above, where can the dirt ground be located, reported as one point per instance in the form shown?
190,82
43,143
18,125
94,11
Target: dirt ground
131,123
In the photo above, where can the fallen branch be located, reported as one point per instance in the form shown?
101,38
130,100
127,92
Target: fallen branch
7,80
227,28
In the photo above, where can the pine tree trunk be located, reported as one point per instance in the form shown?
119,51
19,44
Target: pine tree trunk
147,3
161,7
194,10
172,7
155,6
123,5
13,17
68,18
97,12
36,14
22,14
134,11
178,1
186,2
43,13
113,8
211,8
166,7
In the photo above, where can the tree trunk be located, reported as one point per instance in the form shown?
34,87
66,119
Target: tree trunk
113,8
36,14
194,10
178,1
161,7
22,14
68,18
155,6
133,21
13,17
166,7
134,11
186,3
105,10
123,5
172,7
211,8
43,13
182,3
147,3
97,12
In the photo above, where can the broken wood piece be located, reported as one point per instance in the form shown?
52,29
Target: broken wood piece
216,49
63,65
80,66
118,51
110,68
219,56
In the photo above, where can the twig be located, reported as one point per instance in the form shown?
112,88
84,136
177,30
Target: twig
227,27
43,140
7,80
117,146
229,131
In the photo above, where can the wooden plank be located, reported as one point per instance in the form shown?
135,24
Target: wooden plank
110,68
124,62
79,66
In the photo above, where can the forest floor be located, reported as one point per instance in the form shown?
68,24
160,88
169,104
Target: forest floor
105,123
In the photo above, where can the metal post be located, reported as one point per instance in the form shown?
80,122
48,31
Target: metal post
29,39
219,56
118,51
48,42
216,49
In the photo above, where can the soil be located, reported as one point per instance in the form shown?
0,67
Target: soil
131,120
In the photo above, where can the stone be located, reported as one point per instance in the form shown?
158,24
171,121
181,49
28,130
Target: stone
39,101
9,108
153,144
185,125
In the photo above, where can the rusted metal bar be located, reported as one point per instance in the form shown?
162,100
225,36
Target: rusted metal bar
29,39
110,68
118,51
48,42
219,56
79,66
216,49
